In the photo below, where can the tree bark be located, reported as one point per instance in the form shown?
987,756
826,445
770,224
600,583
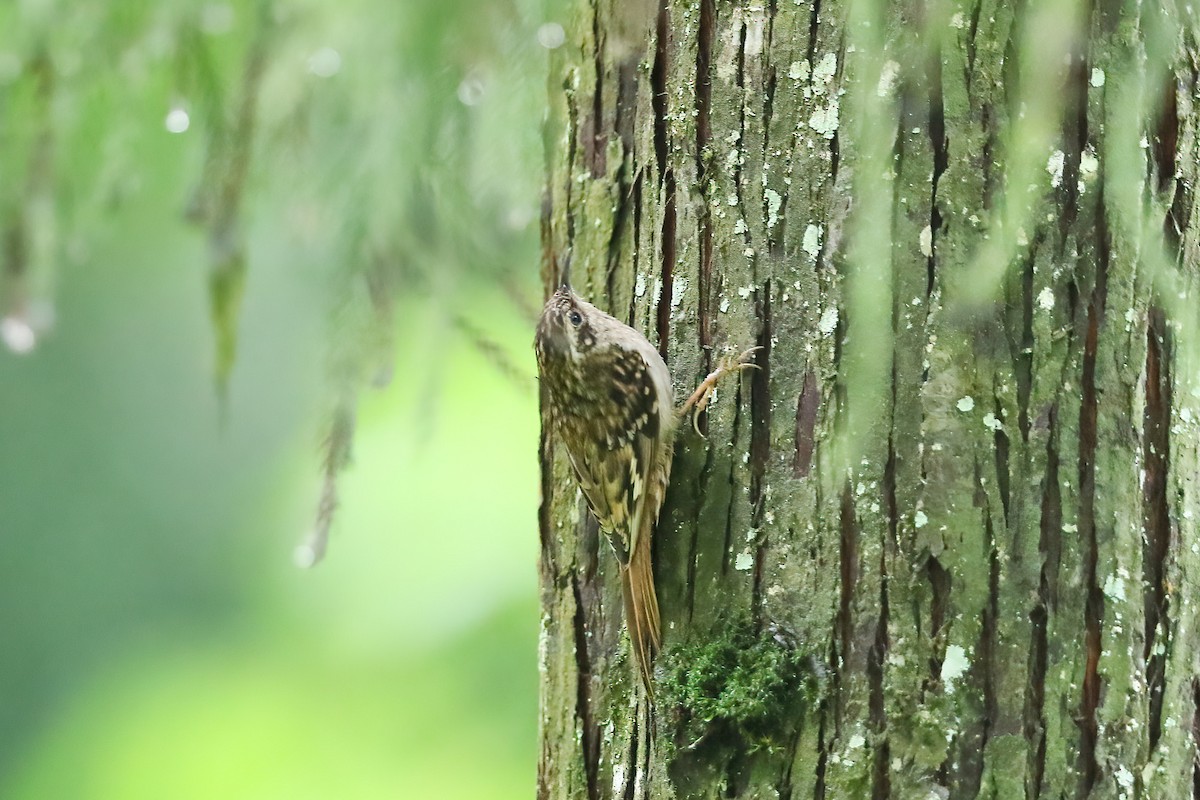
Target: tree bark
943,543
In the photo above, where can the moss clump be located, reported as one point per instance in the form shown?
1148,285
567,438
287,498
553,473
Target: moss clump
742,688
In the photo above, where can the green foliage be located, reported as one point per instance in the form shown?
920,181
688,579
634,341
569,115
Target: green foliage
295,201
394,146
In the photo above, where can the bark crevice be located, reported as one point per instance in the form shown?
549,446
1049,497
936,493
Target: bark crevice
1156,522
659,99
807,406
1088,766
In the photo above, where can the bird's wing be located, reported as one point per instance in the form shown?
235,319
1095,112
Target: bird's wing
614,452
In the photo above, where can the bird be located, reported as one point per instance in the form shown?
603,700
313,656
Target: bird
611,402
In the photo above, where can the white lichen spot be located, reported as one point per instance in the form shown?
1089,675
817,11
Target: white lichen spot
823,72
1022,237
744,561
724,304
1124,777
1097,77
1070,527
825,120
954,666
1089,164
745,291
829,321
678,287
748,252
1114,587
966,403
925,241
657,290
856,741
920,520
774,201
639,286
958,21
1055,167
798,71
1046,298
739,226
618,779
887,78
755,25
732,200
991,422
811,243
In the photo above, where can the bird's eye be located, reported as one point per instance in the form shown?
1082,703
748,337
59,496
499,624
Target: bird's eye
576,318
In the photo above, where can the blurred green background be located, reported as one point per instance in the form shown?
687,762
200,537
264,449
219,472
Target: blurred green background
157,639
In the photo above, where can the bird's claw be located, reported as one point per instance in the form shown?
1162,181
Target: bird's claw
704,392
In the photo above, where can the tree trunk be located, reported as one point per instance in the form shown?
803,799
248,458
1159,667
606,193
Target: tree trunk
943,543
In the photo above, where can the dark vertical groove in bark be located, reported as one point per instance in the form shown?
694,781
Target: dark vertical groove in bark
881,786
1166,143
1023,358
631,773
976,738
573,134
813,20
658,81
596,145
848,568
1088,766
703,136
807,405
1166,138
740,82
760,432
636,191
760,404
939,583
1050,550
941,159
1075,131
972,32
727,547
1156,520
1000,449
589,730
549,556
627,87
1035,701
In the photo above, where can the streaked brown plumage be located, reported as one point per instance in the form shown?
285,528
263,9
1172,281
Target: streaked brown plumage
612,403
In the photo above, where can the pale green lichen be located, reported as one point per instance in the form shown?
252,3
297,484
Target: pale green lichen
811,243
774,201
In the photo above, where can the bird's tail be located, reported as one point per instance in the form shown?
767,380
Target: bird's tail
641,609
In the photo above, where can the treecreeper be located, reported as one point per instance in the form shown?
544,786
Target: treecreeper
612,404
